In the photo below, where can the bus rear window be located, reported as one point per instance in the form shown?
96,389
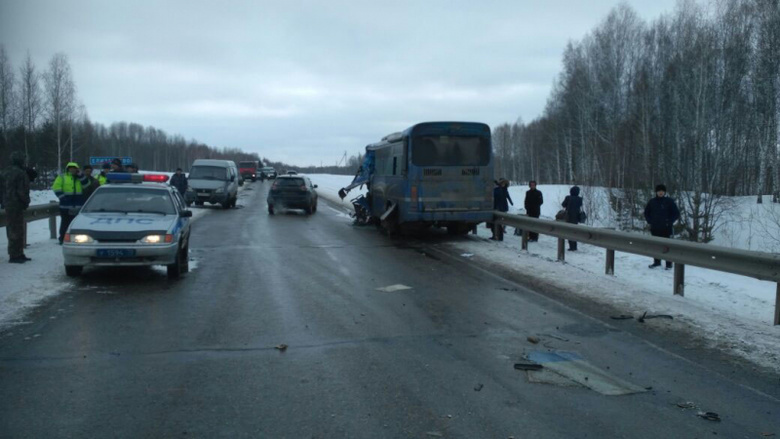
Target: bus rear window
450,151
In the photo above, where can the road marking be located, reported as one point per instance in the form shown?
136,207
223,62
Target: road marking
574,369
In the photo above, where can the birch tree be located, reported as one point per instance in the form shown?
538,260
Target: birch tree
60,97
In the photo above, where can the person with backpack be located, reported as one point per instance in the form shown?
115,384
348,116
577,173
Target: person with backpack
573,206
661,213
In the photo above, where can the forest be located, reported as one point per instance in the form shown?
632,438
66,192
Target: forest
42,116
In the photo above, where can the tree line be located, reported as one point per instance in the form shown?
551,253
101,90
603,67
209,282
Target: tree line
42,116
691,100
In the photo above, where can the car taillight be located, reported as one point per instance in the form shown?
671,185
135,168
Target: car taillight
67,237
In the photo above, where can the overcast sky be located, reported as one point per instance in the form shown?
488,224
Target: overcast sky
304,81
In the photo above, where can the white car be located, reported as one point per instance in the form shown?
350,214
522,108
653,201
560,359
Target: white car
133,220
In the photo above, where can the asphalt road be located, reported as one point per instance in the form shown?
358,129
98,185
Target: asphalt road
129,354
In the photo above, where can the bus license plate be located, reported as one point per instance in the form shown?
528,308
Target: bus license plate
115,253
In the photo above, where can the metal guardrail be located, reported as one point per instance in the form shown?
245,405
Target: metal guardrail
759,265
38,212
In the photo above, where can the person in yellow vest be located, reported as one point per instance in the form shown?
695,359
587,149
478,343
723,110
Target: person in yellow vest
69,188
101,178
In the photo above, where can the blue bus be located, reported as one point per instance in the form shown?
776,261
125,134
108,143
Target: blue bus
433,173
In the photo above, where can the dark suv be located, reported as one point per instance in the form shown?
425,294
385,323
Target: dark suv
294,192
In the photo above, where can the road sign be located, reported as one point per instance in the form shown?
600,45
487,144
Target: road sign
100,160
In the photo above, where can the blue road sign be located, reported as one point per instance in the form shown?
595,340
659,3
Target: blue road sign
100,160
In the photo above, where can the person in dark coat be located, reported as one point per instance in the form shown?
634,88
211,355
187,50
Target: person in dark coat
179,181
93,182
501,199
573,205
533,206
132,168
15,199
661,213
116,165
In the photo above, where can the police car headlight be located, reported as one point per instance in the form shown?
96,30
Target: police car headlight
79,239
157,239
219,190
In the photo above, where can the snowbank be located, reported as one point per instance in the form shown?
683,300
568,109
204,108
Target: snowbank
733,312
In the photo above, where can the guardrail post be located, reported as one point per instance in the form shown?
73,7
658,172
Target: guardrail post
679,279
53,223
610,270
561,249
525,240
777,305
474,229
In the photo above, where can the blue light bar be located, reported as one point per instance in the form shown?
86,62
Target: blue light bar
124,177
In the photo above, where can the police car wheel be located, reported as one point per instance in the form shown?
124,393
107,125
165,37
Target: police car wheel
270,209
175,269
73,270
185,266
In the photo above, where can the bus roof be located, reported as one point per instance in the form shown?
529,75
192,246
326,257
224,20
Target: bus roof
423,128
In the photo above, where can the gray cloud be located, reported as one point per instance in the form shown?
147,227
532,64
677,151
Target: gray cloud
303,81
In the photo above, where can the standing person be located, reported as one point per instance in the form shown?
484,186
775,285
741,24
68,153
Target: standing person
102,178
179,181
93,182
116,165
132,168
533,206
501,200
69,188
661,213
15,199
573,205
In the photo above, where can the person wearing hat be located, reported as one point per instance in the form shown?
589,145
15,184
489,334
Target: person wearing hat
533,206
116,165
93,182
501,200
179,181
132,168
573,211
15,199
661,213
102,178
69,188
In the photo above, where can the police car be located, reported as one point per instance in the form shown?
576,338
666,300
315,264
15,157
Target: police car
134,219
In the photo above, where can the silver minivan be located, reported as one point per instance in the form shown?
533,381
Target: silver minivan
213,181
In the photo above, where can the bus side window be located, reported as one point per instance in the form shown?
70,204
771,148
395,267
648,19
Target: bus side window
395,165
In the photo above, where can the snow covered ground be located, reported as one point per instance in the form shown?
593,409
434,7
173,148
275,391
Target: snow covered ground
23,286
732,312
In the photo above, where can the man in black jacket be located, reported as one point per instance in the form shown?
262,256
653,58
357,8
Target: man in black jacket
533,206
15,199
661,213
179,181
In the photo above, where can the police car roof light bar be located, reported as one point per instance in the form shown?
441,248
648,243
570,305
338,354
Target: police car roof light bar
124,177
157,178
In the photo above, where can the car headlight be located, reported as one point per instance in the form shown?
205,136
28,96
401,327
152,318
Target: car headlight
79,239
157,239
219,190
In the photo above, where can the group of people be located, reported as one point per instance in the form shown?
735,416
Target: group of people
72,188
661,211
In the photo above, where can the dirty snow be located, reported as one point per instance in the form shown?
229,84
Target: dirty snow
733,312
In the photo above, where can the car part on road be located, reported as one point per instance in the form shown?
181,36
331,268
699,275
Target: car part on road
710,416
528,366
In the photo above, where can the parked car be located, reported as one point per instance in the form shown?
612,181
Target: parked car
213,181
134,219
292,192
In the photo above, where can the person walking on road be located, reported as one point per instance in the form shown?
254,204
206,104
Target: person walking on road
69,188
573,205
533,206
501,200
179,181
661,213
15,199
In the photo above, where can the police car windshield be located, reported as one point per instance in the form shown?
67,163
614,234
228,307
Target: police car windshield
130,200
208,173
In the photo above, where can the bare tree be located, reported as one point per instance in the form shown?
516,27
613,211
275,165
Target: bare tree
7,95
60,97
29,100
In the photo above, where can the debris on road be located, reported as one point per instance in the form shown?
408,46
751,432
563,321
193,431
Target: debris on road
686,405
767,434
434,434
710,416
478,387
653,316
621,317
281,347
528,366
557,337
467,255
532,339
393,288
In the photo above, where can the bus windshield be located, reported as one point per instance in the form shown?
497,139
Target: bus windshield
450,151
